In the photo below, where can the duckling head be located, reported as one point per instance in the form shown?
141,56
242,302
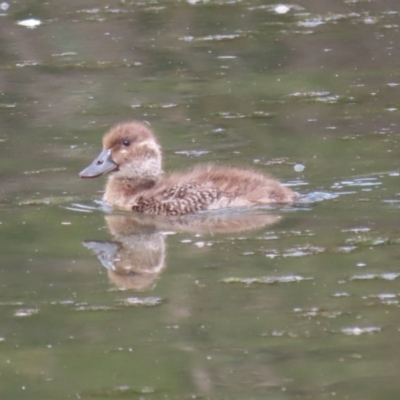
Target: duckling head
130,151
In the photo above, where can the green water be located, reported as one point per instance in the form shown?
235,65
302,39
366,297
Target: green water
298,303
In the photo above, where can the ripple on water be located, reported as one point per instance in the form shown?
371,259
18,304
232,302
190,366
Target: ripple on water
155,105
276,8
341,294
372,241
357,331
357,182
140,301
213,38
255,114
100,205
127,302
315,197
314,312
118,391
55,200
313,21
269,280
296,252
195,153
387,299
357,230
26,312
321,97
93,308
388,276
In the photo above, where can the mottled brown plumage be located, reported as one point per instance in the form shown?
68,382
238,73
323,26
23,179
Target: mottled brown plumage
132,155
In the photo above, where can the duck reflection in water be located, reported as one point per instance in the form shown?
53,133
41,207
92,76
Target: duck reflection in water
132,157
136,256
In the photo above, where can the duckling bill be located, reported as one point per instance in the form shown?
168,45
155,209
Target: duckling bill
132,157
100,165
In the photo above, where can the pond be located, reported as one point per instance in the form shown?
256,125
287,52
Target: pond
299,302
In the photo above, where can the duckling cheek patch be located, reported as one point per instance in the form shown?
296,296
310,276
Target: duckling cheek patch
147,168
151,145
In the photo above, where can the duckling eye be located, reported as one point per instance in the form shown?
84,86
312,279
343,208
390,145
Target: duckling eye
126,142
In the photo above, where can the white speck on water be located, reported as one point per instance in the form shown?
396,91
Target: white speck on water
393,84
370,21
216,130
341,294
281,9
4,6
29,23
299,167
361,264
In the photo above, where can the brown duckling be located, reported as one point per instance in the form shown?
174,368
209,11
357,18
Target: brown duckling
132,156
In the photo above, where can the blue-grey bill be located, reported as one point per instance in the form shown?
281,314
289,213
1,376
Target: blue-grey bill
100,165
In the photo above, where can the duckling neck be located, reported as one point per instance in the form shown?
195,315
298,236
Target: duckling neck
123,192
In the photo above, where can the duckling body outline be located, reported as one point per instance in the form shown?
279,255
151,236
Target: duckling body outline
132,156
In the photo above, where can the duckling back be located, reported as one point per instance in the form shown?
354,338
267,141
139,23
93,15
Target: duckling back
209,188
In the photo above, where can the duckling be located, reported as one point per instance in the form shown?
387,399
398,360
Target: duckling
132,156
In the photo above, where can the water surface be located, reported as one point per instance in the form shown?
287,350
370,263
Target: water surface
293,303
